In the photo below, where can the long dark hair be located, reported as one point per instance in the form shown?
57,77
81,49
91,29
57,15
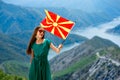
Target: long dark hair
32,40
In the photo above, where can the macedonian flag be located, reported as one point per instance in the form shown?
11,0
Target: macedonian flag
56,24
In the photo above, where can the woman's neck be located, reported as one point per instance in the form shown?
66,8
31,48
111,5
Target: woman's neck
39,41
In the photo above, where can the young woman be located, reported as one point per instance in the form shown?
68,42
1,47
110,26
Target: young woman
38,48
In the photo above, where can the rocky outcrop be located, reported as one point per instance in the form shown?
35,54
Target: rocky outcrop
84,63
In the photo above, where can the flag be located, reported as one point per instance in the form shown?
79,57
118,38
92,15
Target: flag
56,24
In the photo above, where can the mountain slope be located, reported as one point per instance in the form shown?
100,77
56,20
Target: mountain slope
11,49
75,63
12,55
115,30
105,65
71,39
15,19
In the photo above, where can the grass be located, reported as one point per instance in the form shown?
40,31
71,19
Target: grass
113,51
15,67
4,76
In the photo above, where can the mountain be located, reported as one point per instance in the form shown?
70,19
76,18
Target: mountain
17,24
98,5
86,5
86,13
14,19
81,18
12,49
71,39
115,30
75,64
13,56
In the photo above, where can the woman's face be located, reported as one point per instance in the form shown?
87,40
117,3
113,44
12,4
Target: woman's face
40,33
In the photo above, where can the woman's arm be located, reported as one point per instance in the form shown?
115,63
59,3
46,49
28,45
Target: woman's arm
32,55
57,50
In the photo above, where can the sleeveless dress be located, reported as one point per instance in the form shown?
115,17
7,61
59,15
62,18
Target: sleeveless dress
40,68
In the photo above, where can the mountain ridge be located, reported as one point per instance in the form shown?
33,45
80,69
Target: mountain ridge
115,31
71,63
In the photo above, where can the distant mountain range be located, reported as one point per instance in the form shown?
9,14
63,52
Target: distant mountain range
16,19
115,30
75,64
71,39
86,5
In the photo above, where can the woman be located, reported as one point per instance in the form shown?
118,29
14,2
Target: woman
38,48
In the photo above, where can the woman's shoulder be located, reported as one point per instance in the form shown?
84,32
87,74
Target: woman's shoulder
48,41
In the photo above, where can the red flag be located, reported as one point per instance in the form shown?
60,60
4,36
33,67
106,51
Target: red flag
56,24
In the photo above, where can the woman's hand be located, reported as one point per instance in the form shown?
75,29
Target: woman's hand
60,46
57,50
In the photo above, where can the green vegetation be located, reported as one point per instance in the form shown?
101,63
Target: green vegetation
12,49
82,63
4,76
98,42
13,59
113,52
15,67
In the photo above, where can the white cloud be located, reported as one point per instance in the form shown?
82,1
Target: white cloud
100,31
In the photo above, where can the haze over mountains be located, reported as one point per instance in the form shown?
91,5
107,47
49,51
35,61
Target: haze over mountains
86,5
109,30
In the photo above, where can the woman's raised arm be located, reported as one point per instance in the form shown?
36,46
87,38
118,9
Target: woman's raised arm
56,49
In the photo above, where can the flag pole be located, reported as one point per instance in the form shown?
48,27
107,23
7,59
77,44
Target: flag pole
63,41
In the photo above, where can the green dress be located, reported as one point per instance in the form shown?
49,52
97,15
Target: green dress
40,68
